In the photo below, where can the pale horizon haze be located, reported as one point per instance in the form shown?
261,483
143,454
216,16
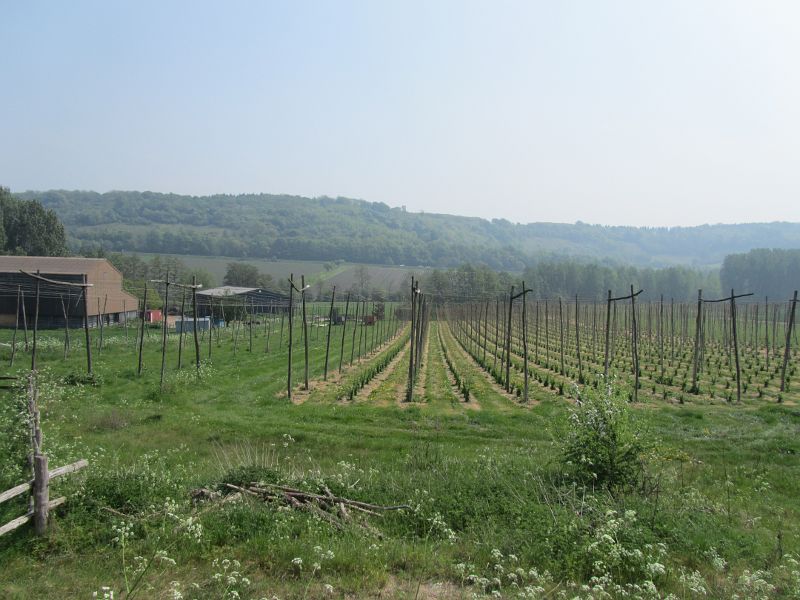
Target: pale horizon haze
617,113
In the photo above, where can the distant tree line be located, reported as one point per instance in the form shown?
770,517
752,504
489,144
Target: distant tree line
774,273
28,228
591,281
565,279
329,229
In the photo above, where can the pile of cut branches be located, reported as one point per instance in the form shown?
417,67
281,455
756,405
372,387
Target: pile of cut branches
336,510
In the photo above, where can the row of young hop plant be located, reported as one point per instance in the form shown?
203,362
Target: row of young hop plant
495,369
350,389
461,382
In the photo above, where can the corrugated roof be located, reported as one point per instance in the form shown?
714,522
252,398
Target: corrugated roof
50,264
226,290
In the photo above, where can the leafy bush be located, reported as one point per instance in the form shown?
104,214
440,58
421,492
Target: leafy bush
602,447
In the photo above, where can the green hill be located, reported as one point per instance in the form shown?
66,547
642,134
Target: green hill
324,229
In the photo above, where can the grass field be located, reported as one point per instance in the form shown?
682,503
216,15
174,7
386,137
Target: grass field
493,508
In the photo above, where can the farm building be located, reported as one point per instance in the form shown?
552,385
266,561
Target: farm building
228,301
106,298
186,324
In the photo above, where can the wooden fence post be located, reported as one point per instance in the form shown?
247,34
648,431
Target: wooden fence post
41,494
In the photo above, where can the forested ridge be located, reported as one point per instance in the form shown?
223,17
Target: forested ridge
294,227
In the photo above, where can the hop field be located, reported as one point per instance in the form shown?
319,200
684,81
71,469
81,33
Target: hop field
576,493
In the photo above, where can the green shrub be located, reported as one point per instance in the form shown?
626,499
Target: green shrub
602,447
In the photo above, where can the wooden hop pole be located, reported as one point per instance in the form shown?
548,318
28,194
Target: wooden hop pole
787,350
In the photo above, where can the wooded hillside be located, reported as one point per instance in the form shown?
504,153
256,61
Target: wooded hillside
279,226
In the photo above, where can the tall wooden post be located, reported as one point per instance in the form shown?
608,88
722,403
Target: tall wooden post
164,331
35,325
141,335
496,331
355,329
546,334
24,321
608,334
250,313
736,349
508,341
410,390
561,332
194,321
578,341
788,349
66,326
635,334
330,327
89,369
525,338
344,329
698,326
291,310
766,329
305,328
661,335
16,328
183,328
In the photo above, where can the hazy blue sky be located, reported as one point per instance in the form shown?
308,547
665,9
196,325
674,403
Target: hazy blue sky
640,112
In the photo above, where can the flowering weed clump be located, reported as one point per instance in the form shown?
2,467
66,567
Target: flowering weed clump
603,446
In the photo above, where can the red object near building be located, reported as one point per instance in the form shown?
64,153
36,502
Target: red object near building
153,316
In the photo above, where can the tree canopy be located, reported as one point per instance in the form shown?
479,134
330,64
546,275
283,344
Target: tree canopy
247,275
28,228
774,273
